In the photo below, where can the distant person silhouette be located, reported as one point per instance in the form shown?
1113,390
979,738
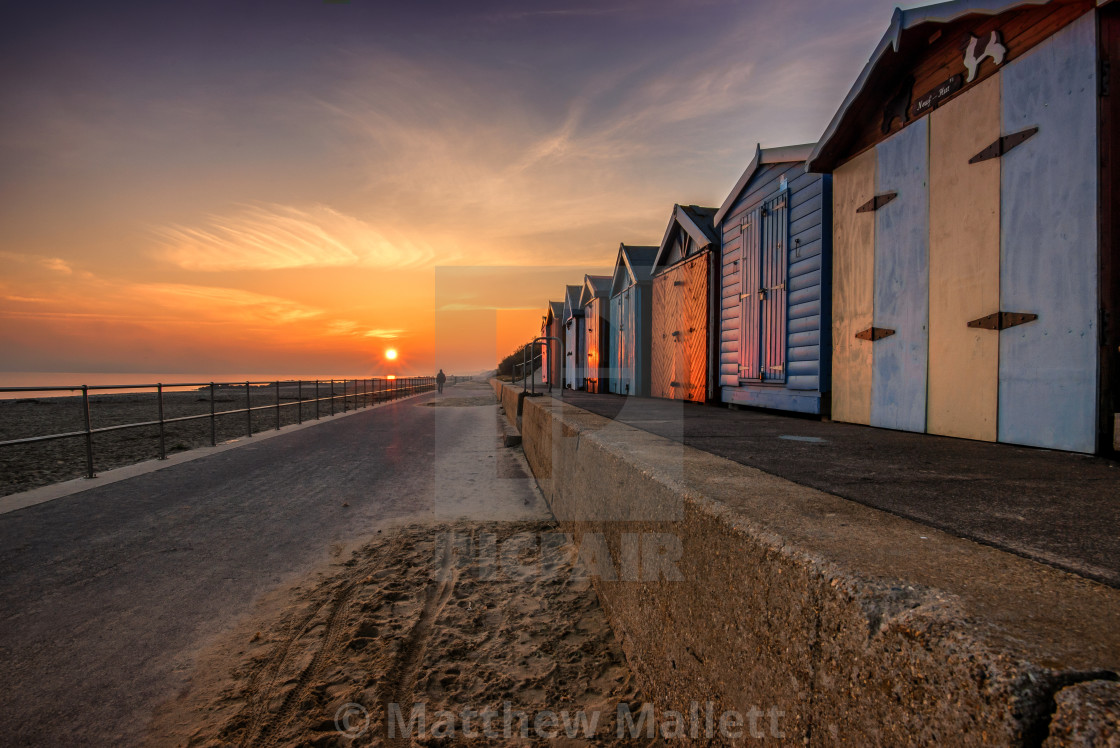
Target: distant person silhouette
440,379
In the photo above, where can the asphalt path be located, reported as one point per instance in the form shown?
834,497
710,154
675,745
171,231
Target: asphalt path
107,595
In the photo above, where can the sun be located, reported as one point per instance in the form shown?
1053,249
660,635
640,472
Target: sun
391,354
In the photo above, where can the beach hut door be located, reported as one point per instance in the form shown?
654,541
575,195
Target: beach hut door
750,300
762,344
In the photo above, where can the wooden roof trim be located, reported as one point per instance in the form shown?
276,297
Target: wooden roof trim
620,267
555,309
682,218
637,262
572,310
595,287
762,157
902,20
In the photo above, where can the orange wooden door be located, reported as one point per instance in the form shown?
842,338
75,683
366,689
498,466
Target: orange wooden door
664,348
694,329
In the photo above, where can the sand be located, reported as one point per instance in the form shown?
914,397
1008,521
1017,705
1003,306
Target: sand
463,618
23,467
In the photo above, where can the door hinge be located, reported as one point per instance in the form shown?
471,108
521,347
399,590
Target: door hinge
874,333
1003,320
1003,145
876,202
674,384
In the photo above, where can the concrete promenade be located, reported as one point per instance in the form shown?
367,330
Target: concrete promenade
1056,507
753,590
107,594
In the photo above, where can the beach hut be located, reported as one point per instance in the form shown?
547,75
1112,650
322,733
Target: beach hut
630,320
974,226
774,325
682,286
552,364
595,298
575,349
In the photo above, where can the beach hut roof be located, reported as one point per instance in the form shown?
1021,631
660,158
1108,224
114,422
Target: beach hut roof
555,309
572,307
762,157
694,221
883,69
595,287
634,263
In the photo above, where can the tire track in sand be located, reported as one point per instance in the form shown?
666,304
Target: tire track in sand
312,671
401,681
262,726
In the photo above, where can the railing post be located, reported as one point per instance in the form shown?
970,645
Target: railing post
345,400
248,411
277,404
316,399
89,433
162,436
213,419
332,397
299,396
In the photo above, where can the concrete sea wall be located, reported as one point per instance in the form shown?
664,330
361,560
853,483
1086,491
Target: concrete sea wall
831,622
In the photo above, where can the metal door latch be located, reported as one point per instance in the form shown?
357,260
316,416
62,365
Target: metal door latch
1003,145
874,333
1002,320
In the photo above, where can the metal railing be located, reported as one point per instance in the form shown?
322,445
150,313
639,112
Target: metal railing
528,365
355,394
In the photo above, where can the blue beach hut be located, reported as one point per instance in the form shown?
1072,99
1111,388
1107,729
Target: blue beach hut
631,317
774,300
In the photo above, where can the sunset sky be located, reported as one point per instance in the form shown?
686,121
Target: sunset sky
293,188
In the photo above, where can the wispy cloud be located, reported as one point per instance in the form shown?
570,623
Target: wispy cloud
58,265
272,237
378,332
228,304
27,299
501,172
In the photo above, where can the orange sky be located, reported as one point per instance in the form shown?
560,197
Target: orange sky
184,188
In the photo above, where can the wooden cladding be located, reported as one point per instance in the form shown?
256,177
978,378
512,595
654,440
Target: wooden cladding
598,346
680,331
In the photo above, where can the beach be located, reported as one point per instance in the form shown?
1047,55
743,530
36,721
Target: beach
471,633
